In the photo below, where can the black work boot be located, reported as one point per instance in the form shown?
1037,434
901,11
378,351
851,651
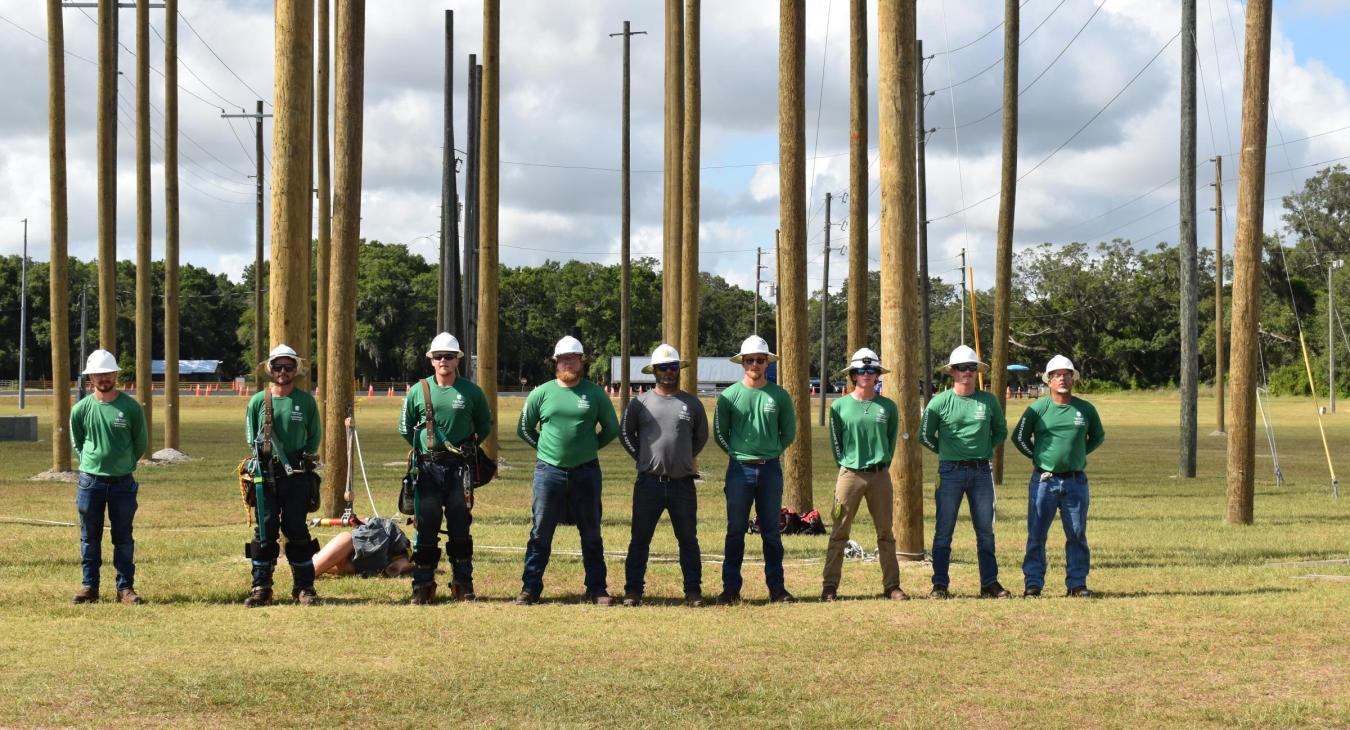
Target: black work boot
462,591
258,597
306,596
86,594
423,595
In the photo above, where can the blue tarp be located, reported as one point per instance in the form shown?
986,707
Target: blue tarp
188,367
1019,368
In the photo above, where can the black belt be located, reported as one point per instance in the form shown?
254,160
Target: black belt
592,462
440,458
1065,474
869,469
755,462
968,463
663,477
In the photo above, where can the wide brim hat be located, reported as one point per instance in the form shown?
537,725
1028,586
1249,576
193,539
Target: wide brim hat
864,358
664,355
265,367
963,355
758,342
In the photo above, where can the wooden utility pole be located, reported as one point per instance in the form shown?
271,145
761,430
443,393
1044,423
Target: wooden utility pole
777,287
292,147
625,222
896,96
1218,293
759,266
793,347
921,187
323,189
145,387
857,176
689,280
259,350
1246,262
449,314
490,155
59,276
1190,329
825,310
672,235
171,414
107,175
473,109
349,83
1007,209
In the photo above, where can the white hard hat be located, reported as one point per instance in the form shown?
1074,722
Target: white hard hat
568,345
280,351
754,345
100,362
1058,362
964,354
863,358
663,355
444,342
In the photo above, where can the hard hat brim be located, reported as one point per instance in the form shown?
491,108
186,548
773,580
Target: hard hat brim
650,369
1045,377
458,353
880,370
737,358
98,371
265,367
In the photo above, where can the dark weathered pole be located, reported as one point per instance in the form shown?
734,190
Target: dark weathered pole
469,342
1007,208
857,177
323,185
349,81
259,190
793,347
1247,261
625,222
759,256
896,97
1190,329
84,333
107,175
921,192
689,280
1331,339
671,234
825,310
1218,293
23,314
144,287
59,275
171,320
292,150
488,177
449,316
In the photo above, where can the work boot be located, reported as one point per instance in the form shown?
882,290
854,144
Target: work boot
632,599
462,591
258,597
693,600
994,590
85,595
781,595
728,598
895,594
423,595
939,592
527,598
1079,592
829,594
1032,592
599,598
128,595
306,596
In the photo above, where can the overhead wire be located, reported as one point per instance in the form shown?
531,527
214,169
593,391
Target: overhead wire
999,60
981,37
820,107
256,95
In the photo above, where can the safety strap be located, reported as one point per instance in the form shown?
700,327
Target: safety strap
267,422
431,416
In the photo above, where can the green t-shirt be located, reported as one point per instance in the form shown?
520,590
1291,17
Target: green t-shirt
962,427
862,432
559,422
295,422
754,423
109,437
1056,437
461,412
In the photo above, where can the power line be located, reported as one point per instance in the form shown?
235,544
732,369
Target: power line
981,37
256,95
188,68
999,60
820,107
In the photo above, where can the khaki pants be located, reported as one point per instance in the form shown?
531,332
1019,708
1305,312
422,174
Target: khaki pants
849,491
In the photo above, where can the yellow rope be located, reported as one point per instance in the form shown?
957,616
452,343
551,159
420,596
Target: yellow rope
1335,483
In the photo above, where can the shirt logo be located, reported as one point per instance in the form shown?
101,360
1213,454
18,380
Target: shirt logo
684,413
120,420
459,403
881,416
979,412
583,403
770,406
297,415
1078,419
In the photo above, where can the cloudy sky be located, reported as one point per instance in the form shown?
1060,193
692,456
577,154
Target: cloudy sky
1093,178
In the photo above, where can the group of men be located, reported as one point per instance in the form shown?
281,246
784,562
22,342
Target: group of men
445,417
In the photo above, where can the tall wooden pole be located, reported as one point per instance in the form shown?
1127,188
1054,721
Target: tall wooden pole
672,234
144,287
896,97
58,277
449,315
1246,263
921,187
625,223
349,85
1190,329
259,195
1218,294
469,342
857,177
107,175
488,178
689,280
825,311
793,348
323,186
777,288
171,321
1007,209
288,296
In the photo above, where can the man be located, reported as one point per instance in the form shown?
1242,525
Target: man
282,425
444,487
863,429
1057,433
107,430
963,425
559,421
664,430
753,423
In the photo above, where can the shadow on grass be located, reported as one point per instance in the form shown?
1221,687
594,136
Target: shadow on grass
1215,592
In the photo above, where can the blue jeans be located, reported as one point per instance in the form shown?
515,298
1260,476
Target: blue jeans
1069,495
976,484
760,485
557,491
117,495
651,497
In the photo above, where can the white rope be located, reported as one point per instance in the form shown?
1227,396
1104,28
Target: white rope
357,438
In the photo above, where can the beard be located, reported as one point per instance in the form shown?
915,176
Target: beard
569,377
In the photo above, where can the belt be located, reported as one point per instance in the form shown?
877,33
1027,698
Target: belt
869,469
754,461
968,463
592,462
441,458
662,477
1064,474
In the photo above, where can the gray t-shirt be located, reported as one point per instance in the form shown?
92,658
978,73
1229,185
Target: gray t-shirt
665,432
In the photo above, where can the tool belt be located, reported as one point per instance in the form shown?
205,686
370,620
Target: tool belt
440,458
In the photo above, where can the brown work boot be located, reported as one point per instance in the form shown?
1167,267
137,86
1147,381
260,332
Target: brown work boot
994,590
632,599
306,596
423,595
128,595
895,594
258,597
85,595
599,598
728,598
527,598
781,595
829,594
462,591
693,600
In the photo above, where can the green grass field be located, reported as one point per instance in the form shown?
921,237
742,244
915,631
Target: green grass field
1195,623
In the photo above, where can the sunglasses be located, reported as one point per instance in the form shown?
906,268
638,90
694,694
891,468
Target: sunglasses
444,356
668,367
869,370
966,367
754,360
283,368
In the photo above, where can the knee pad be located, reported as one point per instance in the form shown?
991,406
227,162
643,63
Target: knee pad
299,552
426,556
461,551
262,552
